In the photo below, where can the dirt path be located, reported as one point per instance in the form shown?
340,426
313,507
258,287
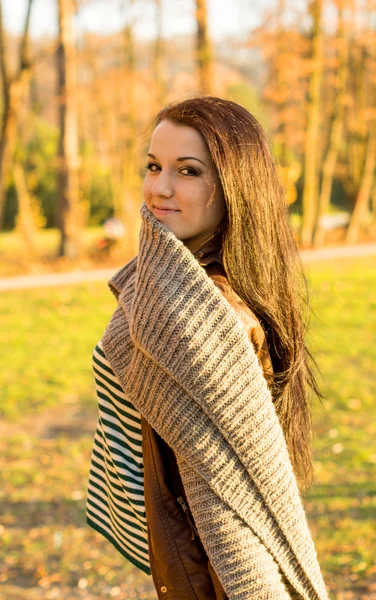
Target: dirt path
334,252
51,279
79,276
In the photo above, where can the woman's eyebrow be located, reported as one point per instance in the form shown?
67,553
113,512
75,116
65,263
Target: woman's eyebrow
190,158
181,158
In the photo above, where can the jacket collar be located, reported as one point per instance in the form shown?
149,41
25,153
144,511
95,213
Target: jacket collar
210,252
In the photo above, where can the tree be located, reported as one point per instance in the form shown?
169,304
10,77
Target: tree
282,87
362,160
311,158
337,124
364,193
14,91
158,57
70,215
128,176
203,45
284,48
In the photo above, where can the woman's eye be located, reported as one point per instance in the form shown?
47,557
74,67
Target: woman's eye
188,171
152,167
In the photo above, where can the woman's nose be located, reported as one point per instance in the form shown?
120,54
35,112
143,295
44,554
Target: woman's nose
162,186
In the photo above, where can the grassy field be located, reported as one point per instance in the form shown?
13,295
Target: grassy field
49,413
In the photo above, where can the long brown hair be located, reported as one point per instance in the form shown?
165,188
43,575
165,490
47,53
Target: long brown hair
260,256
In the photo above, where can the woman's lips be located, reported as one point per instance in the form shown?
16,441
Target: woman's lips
164,211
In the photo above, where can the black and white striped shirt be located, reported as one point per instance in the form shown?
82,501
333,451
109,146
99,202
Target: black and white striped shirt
115,501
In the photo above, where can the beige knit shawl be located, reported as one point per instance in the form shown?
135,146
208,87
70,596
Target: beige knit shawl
185,362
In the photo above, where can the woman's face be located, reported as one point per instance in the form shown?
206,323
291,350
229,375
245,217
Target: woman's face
181,187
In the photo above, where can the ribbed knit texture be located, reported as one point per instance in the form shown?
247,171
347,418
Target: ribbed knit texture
185,362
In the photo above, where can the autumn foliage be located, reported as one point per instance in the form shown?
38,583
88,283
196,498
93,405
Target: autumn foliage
84,100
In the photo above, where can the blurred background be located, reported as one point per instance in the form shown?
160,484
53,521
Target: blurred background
80,81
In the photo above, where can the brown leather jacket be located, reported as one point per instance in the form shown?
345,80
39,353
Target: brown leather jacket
180,567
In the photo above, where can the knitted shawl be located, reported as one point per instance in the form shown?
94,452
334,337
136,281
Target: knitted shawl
186,363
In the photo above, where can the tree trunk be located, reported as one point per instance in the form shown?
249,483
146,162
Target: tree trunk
129,178
373,202
362,128
311,159
13,94
335,137
365,190
204,51
282,84
159,78
70,214
120,138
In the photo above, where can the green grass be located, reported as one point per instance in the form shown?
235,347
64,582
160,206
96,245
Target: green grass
48,402
48,336
342,504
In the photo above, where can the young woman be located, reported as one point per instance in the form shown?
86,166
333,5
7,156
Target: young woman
203,438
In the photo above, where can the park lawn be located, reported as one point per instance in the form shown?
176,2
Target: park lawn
341,505
49,410
47,336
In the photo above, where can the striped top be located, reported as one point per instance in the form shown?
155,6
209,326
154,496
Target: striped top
115,502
